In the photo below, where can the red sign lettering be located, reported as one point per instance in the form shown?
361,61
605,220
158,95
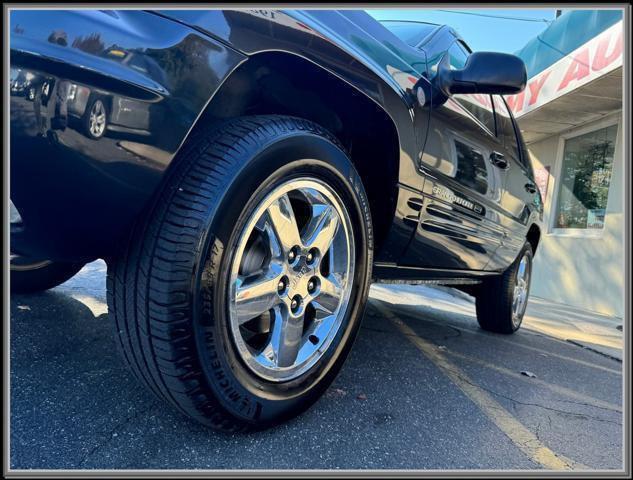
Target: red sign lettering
515,102
535,87
578,68
601,59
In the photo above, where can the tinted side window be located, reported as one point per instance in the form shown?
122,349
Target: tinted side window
471,167
505,129
480,106
457,56
525,154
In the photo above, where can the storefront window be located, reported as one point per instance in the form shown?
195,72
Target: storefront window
584,180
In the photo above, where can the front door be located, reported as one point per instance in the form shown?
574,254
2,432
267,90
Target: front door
459,226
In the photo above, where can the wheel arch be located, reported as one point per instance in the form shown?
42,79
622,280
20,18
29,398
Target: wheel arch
281,82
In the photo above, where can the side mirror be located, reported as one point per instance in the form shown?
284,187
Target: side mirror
484,72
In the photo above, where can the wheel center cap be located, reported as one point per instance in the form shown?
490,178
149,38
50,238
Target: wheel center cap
299,276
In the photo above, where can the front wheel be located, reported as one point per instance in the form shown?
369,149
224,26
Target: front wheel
238,298
501,301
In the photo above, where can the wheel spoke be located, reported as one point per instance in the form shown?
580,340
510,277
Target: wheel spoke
329,295
286,337
515,300
284,223
522,300
254,297
265,225
319,329
320,231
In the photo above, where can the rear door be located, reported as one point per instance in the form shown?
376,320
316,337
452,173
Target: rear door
459,226
519,190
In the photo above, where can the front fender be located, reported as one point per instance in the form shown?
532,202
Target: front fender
78,194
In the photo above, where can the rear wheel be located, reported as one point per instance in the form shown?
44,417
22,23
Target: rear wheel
501,301
32,275
238,298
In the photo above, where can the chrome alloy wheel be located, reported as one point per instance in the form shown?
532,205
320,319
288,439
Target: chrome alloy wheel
291,279
97,119
521,290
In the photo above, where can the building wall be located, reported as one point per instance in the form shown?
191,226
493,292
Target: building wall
583,270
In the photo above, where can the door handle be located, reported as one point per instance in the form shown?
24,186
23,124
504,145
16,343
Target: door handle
530,188
498,160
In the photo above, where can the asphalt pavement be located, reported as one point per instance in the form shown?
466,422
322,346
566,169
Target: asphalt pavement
424,388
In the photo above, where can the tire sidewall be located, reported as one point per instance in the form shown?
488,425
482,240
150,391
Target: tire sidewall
238,389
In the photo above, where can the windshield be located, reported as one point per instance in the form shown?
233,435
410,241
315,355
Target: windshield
411,33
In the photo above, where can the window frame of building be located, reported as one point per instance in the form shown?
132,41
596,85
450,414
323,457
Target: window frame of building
553,189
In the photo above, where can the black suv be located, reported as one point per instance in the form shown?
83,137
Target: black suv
247,174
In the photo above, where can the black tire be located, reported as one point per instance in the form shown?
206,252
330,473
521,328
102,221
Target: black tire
29,275
495,295
172,325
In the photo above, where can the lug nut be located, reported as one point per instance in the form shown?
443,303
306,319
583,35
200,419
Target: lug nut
292,254
281,286
313,284
312,255
295,303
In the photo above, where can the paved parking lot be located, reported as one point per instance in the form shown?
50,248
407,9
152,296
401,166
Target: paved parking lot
424,388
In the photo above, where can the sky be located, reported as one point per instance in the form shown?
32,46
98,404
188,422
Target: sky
501,30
